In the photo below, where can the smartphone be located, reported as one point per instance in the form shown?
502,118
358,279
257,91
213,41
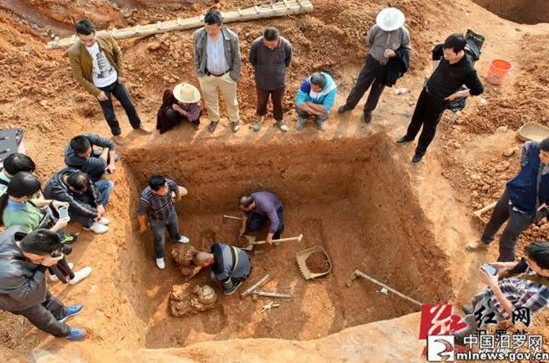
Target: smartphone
63,212
490,269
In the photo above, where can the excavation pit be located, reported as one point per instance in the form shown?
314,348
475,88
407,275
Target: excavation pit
518,11
349,196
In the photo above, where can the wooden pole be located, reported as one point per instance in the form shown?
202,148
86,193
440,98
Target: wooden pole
363,275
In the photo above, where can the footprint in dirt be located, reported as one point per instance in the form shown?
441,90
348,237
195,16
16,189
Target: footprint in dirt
214,320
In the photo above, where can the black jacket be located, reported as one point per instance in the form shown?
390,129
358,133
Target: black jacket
397,66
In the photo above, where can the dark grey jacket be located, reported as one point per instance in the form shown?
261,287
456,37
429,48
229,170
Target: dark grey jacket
22,283
270,65
57,189
232,52
93,166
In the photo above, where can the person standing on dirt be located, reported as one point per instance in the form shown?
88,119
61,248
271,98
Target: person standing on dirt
524,201
315,97
156,204
92,154
230,265
388,39
514,286
24,259
258,208
453,68
270,55
96,62
217,62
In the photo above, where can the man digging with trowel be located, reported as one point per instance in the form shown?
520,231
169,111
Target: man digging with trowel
259,207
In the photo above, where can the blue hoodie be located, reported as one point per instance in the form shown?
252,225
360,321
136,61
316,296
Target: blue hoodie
326,97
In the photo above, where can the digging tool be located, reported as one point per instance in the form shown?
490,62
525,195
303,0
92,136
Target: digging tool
232,217
253,242
269,306
257,285
486,208
271,294
357,273
301,259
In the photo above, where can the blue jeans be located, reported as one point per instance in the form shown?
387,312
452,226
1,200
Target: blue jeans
104,187
256,221
158,230
119,91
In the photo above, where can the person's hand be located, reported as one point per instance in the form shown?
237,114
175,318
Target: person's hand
61,223
241,232
389,53
102,96
110,168
452,97
121,80
58,204
485,277
100,211
142,228
49,261
500,266
269,240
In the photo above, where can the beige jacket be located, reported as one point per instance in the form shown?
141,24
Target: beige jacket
81,62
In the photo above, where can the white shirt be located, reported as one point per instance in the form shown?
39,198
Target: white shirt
103,73
216,62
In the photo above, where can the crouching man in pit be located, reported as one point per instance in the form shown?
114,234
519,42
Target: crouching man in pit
230,265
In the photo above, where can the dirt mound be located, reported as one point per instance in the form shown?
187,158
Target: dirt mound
519,11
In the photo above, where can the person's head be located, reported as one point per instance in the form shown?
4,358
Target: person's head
213,21
81,145
544,150
86,32
454,47
318,81
40,244
537,256
78,182
203,259
246,203
270,37
17,162
23,186
158,185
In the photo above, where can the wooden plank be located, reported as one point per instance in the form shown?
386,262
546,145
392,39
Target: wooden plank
287,7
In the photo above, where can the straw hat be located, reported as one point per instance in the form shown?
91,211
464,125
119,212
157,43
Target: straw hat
390,19
187,93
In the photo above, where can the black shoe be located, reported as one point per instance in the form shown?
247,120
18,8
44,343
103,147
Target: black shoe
417,158
404,139
467,309
366,117
343,109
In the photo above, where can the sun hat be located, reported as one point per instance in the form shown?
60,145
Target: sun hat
187,93
390,19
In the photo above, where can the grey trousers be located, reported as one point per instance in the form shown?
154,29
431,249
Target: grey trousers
516,224
45,316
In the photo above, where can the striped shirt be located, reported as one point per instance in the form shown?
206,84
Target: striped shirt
216,63
157,207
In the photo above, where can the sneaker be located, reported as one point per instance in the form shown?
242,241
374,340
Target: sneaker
467,309
300,123
54,278
104,221
321,125
256,125
143,129
235,126
212,126
70,238
118,140
71,311
417,158
476,245
232,291
343,109
97,228
183,239
366,118
160,263
76,334
80,275
404,139
282,126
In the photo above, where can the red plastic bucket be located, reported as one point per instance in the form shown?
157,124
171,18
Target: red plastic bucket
499,69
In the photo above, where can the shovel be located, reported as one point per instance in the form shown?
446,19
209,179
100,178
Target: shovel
253,242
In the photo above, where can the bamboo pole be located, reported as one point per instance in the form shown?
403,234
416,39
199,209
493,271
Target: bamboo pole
287,7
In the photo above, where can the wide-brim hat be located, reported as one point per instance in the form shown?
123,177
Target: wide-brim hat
187,93
390,19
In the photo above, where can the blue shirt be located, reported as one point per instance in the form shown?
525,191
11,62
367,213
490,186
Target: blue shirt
326,97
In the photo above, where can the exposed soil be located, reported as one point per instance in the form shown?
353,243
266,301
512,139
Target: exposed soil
317,262
350,189
519,11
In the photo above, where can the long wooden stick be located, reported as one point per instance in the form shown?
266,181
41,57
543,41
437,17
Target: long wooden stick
363,275
271,294
232,217
261,282
288,239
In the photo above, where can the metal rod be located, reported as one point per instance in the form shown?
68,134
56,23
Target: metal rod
260,283
363,275
271,294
